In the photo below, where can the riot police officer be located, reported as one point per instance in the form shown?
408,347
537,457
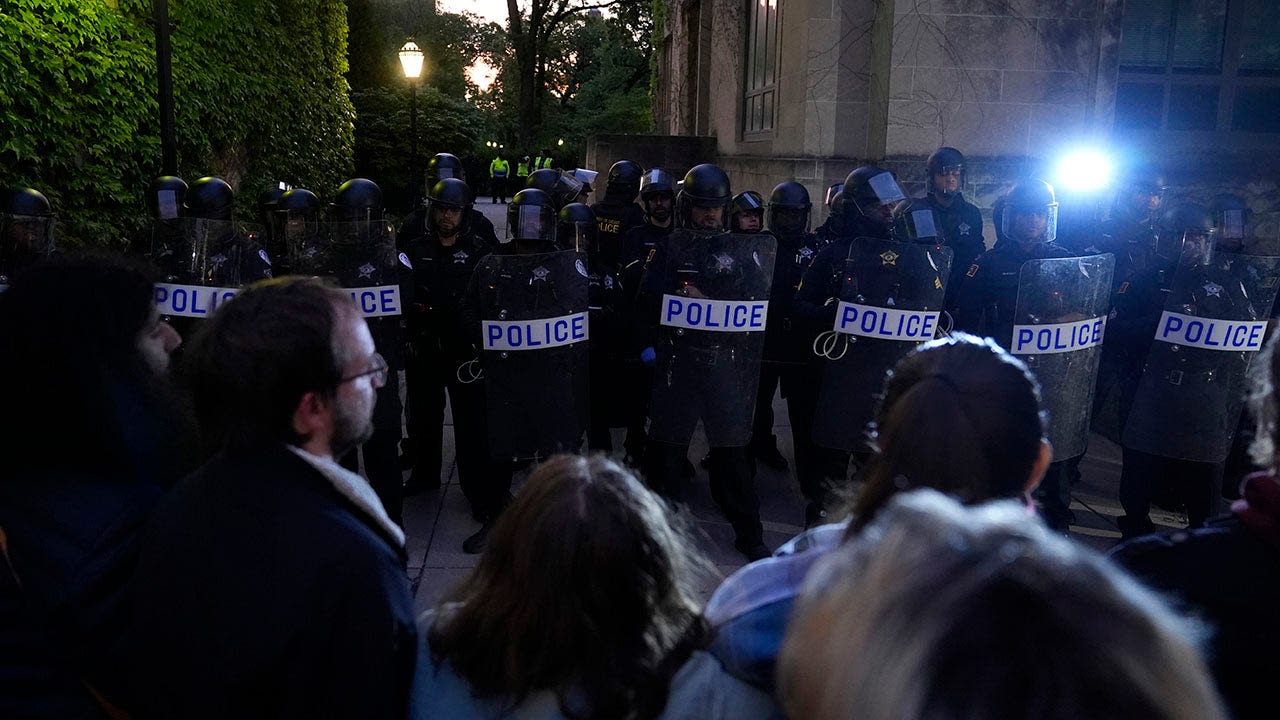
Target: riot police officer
1176,403
1129,230
26,231
440,167
833,226
441,354
274,245
703,375
747,214
617,213
223,256
960,221
657,196
362,254
561,188
164,203
987,298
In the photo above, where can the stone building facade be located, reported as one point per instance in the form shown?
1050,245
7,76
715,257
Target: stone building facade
809,89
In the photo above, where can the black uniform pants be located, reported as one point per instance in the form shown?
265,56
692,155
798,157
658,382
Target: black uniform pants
1195,484
732,484
499,189
424,420
636,391
381,451
819,470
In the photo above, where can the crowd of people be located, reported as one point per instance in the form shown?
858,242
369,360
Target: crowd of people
198,541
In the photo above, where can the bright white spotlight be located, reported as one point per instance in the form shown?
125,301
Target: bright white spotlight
1084,171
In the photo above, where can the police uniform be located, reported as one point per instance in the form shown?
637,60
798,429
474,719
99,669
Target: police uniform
441,343
640,246
987,300
498,170
961,226
613,221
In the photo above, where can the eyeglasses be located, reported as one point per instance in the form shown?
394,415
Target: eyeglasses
377,371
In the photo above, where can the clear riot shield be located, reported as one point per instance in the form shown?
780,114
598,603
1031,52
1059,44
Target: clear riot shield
533,324
714,306
1192,388
1060,322
204,262
890,302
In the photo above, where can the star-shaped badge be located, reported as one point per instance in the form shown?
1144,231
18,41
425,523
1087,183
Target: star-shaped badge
540,273
460,257
724,263
889,257
1214,289
366,270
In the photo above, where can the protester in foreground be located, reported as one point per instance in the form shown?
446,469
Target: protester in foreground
1228,572
980,409
83,356
582,606
941,611
272,581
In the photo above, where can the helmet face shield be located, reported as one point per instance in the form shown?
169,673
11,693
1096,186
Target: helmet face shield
579,235
168,204
1187,247
832,192
531,222
1030,223
947,180
886,188
28,235
919,225
788,220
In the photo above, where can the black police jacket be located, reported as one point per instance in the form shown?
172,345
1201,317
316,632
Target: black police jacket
613,221
441,276
962,232
814,307
988,297
784,340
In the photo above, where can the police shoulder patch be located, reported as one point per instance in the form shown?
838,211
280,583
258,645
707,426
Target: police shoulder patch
973,270
1124,286
404,260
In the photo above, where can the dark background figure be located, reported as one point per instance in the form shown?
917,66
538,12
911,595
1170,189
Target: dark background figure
26,231
789,361
271,581
362,254
295,224
1129,232
83,354
960,221
444,259
164,204
499,169
833,226
700,375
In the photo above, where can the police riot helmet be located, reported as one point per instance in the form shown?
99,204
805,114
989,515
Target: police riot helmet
874,191
945,160
444,165
657,180
917,222
299,201
1141,191
1231,214
358,199
450,193
295,216
747,203
576,228
567,189
209,198
832,191
1185,234
704,186
789,208
1030,200
165,197
531,216
543,179
624,181
27,229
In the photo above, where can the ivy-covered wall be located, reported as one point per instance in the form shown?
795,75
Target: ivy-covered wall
259,96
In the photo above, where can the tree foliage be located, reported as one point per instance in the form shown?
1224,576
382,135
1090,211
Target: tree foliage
258,87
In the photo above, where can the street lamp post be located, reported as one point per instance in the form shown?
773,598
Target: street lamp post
411,62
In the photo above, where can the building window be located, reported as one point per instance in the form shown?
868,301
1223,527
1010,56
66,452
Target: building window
1200,65
760,96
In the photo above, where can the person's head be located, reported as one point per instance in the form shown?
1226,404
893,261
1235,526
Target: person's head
747,215
442,166
296,216
288,361
1141,193
942,611
543,179
26,230
357,200
585,588
1185,236
1264,405
657,194
873,193
959,415
531,217
209,198
789,209
1030,213
946,173
165,196
449,207
623,182
576,228
704,200
1231,215
83,354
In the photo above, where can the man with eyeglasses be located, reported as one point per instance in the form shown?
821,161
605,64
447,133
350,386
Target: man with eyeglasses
271,580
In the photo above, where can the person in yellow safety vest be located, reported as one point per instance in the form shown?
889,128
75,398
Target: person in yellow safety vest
522,171
498,170
543,160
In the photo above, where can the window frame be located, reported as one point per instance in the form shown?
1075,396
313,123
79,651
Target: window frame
770,62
